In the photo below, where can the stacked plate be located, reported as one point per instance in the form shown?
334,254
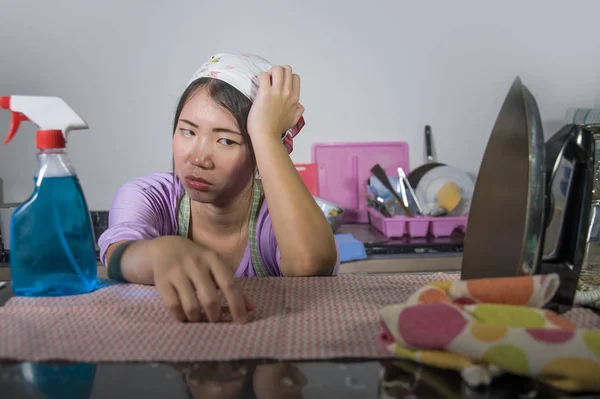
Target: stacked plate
430,183
428,179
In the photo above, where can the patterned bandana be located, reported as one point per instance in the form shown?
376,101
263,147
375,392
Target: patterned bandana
241,71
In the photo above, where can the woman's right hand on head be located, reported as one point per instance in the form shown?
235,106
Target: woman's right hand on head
188,278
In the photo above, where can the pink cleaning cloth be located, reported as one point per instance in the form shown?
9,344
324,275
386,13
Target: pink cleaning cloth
296,319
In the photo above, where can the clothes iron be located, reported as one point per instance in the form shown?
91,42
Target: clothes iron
530,210
591,263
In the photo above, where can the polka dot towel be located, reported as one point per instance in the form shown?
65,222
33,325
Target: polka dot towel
485,327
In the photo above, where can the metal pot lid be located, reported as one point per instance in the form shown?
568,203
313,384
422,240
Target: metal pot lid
506,219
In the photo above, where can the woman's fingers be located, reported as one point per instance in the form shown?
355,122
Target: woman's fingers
187,296
296,85
277,77
232,291
284,81
250,306
207,292
288,80
264,81
170,298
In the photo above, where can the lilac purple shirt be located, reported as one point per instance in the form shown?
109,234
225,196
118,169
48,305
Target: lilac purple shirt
146,208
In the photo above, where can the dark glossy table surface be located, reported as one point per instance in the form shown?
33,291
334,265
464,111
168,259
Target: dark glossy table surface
372,379
251,379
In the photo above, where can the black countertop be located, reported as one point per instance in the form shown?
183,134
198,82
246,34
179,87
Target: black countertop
251,379
376,243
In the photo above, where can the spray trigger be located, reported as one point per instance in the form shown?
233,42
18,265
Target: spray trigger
15,120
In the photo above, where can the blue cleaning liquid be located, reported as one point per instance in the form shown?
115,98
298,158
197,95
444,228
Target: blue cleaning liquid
52,247
59,380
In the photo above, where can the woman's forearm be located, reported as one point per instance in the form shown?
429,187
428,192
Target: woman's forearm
304,237
136,266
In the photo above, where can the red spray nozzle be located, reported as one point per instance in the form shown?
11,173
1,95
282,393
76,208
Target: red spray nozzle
49,114
15,120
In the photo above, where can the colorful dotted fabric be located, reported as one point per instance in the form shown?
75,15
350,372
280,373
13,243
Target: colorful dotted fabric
496,323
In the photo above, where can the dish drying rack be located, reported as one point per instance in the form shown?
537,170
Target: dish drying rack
343,170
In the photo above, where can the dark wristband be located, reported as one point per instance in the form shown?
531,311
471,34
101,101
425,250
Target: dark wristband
114,266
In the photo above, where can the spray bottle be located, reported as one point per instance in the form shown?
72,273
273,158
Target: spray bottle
52,245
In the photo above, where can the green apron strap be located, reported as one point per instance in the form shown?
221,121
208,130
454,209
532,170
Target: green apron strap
183,224
257,263
183,216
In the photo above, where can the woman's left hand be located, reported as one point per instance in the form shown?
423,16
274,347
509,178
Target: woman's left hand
309,249
276,107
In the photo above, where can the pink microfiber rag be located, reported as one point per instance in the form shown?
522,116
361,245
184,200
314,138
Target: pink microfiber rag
295,318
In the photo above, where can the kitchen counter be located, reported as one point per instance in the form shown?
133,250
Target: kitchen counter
384,255
260,378
372,265
376,243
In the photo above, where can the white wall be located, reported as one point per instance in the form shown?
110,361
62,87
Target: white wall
376,70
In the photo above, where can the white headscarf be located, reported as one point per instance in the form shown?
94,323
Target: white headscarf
241,71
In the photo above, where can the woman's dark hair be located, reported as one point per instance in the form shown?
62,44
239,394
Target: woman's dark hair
226,96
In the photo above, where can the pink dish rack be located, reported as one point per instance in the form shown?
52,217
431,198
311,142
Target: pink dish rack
344,168
418,226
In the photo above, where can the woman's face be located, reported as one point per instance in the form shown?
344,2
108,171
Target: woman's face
225,380
212,159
